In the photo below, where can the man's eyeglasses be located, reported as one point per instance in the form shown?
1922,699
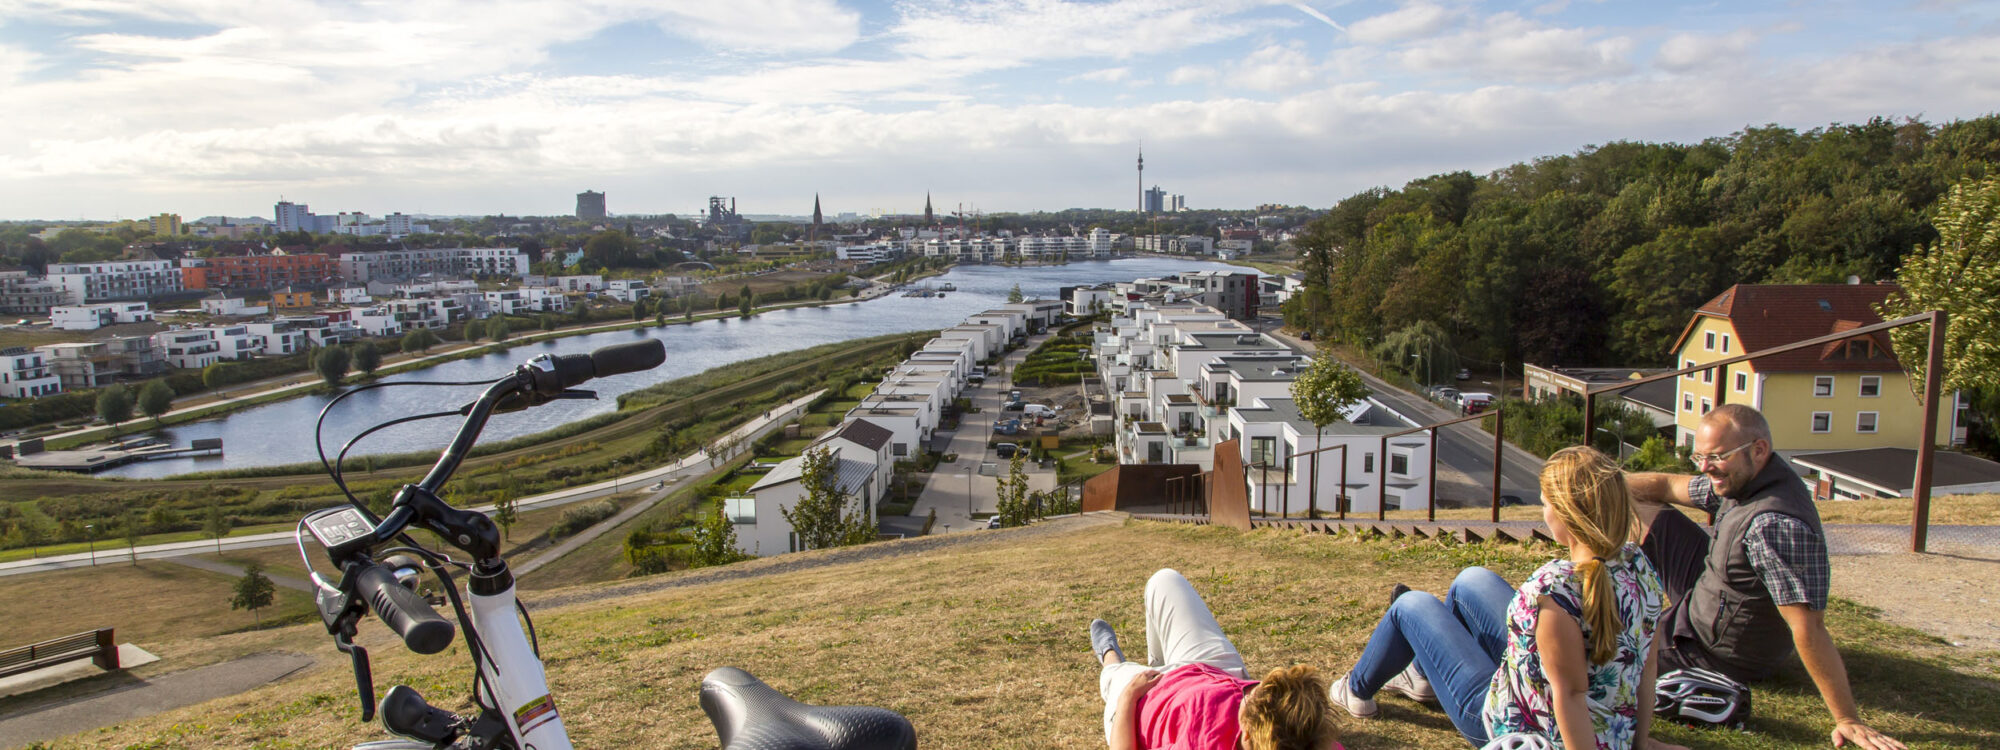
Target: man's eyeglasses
1702,460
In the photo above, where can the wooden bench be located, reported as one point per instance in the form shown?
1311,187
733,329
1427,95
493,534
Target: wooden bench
95,645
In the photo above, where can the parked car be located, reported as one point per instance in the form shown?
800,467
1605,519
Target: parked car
1007,427
1464,374
1474,403
975,378
1011,406
1013,395
1444,393
1006,450
993,523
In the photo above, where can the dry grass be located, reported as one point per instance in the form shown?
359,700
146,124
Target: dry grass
151,602
1950,509
982,645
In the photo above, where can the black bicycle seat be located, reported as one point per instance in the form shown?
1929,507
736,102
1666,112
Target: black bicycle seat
750,715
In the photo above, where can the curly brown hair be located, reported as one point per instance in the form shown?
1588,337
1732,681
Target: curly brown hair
1288,710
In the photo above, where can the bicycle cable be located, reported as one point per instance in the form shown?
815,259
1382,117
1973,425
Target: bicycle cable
319,428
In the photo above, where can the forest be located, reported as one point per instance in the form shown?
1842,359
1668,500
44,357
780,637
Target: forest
1598,258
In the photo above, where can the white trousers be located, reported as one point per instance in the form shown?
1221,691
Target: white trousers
1179,631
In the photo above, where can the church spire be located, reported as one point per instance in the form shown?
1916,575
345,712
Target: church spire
927,209
816,217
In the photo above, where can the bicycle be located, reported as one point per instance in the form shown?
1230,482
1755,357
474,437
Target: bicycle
510,687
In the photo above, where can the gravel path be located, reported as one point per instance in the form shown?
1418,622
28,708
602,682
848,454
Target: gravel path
823,558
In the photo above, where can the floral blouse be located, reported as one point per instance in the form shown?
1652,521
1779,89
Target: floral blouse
1519,699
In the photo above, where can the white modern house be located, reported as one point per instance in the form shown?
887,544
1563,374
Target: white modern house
628,290
222,304
189,348
27,373
1271,429
93,317
761,528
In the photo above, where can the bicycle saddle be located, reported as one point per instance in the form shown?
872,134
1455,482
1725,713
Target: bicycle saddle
750,715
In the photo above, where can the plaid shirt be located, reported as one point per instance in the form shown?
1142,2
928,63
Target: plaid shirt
1788,554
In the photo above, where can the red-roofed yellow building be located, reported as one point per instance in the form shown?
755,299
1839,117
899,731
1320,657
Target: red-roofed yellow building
1846,395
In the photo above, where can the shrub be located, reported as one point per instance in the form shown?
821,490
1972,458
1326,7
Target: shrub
582,517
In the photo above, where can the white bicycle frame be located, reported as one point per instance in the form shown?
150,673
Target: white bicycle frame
520,689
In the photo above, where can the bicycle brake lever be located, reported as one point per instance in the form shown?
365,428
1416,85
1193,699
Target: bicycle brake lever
364,679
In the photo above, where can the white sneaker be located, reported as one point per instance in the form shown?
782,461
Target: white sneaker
1361,708
1412,685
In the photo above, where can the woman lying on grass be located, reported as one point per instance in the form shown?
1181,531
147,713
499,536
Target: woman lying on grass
1570,656
1194,693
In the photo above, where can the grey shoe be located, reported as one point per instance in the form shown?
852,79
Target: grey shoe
1412,685
1343,696
1102,639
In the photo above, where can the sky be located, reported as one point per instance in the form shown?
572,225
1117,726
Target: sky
128,108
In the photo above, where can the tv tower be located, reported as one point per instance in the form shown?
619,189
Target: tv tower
1142,178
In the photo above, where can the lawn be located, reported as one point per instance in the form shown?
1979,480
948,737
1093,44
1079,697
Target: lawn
156,601
983,645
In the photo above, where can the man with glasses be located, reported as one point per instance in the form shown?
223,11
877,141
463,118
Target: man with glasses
1743,599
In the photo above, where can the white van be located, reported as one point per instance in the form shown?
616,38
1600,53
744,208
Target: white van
1040,410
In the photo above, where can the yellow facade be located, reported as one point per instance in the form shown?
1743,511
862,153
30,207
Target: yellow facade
1808,411
166,225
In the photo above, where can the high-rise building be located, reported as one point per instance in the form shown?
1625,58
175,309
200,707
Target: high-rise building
397,224
590,205
1177,203
166,225
1155,200
292,217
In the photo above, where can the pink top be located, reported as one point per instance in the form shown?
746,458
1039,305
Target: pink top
1193,707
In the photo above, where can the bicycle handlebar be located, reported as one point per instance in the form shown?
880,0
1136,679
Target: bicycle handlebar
420,626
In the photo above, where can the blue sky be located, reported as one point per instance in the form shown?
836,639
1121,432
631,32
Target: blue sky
199,107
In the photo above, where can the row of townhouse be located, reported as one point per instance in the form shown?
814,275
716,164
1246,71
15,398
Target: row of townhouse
892,424
1098,243
364,267
1187,380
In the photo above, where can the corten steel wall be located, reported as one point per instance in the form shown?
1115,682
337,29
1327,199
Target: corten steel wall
1228,493
1133,485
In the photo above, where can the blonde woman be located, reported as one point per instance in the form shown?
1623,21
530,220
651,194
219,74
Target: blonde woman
1569,656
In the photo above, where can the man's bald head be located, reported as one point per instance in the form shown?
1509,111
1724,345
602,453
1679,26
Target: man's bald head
1743,422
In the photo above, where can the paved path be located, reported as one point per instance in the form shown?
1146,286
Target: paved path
141,697
697,460
745,437
236,571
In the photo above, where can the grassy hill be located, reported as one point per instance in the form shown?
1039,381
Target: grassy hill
979,639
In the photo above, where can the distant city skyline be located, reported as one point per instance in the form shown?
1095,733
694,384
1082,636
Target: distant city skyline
123,108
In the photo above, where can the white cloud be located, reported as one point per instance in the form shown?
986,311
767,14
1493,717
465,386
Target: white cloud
1413,21
1274,68
1186,74
1022,31
1104,75
768,25
1508,47
1684,52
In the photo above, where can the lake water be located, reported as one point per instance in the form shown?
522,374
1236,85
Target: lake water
281,433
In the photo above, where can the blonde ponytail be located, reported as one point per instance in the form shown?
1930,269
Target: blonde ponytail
1587,491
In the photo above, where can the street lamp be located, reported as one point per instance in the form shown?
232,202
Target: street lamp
90,538
1620,435
1427,369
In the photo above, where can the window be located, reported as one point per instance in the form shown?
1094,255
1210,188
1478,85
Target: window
1687,402
1823,386
1865,421
1822,421
1708,376
1687,364
740,509
1367,463
1261,450
1399,464
1742,382
901,449
1725,343
1871,386
1708,341
1706,405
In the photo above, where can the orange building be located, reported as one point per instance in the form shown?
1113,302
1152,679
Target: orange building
288,299
258,271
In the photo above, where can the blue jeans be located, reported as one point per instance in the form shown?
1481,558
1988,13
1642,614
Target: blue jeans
1456,643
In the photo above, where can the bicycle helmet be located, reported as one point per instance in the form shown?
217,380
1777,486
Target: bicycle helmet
1520,741
1701,698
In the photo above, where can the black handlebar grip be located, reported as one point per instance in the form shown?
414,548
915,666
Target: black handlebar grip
403,610
633,357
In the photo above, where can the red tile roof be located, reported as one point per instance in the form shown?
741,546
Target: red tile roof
1770,315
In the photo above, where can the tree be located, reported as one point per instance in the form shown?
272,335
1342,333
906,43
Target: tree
254,591
1960,273
746,304
162,517
331,364
367,357
505,512
639,310
473,331
1014,295
215,524
217,375
1323,393
114,405
419,340
498,329
822,518
1012,502
132,523
155,399
546,322
713,541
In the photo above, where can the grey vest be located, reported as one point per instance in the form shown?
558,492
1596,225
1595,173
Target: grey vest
1729,608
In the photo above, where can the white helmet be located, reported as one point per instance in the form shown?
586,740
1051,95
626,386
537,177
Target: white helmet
1702,698
1520,741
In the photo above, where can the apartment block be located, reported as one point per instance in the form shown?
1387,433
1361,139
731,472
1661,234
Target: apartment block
258,271
87,283
188,348
26,373
93,317
392,265
21,293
